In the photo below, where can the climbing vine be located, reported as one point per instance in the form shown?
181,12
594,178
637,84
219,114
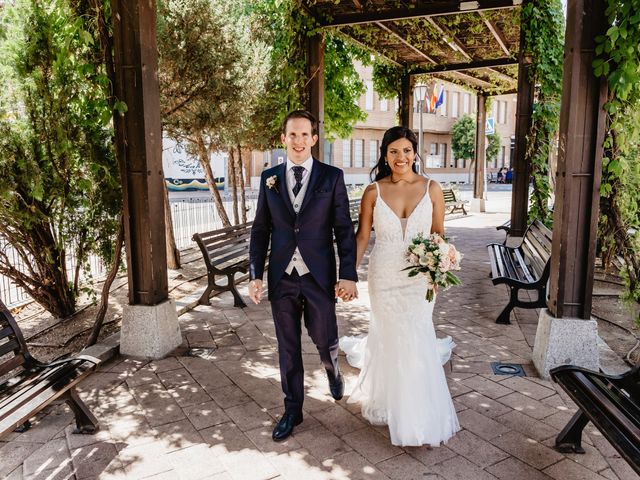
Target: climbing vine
543,28
618,61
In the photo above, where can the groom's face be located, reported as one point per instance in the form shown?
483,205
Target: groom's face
298,139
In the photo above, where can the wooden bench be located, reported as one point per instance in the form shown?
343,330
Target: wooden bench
611,403
28,386
525,267
225,252
452,202
354,210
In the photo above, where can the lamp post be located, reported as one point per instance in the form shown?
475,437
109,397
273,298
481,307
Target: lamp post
421,91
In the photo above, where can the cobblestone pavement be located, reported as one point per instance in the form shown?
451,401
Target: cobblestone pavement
207,411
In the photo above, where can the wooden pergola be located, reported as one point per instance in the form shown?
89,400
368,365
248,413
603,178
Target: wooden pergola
476,43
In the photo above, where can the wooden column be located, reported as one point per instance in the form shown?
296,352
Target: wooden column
480,154
406,102
579,165
521,168
315,88
139,149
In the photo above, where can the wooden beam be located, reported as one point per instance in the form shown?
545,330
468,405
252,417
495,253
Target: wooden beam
497,34
393,31
503,76
315,88
454,67
581,137
139,149
358,4
480,154
423,10
366,47
457,45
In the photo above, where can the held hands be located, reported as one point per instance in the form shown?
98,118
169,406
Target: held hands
346,290
255,290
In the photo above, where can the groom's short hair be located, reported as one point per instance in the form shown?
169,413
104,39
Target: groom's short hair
300,114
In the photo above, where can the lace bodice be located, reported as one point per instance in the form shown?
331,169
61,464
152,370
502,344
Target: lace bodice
388,225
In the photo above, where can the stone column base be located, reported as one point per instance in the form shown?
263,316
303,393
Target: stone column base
478,205
150,331
565,341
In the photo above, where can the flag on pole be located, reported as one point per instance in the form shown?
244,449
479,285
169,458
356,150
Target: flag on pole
440,100
434,100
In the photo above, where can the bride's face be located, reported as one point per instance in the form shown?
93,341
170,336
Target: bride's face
400,156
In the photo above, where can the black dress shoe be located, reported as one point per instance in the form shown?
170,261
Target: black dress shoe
285,425
337,387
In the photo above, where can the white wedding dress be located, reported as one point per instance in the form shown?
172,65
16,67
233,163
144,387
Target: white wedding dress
401,382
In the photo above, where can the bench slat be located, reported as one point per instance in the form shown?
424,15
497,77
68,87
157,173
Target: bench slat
525,271
212,247
12,364
44,396
6,332
9,347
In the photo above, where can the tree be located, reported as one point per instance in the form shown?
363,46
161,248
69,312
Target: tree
493,147
463,138
61,196
200,80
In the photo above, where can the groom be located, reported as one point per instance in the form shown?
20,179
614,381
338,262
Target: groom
302,205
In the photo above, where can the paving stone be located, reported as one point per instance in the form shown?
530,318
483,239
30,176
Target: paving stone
300,464
528,426
165,364
570,470
482,404
371,445
527,405
527,449
52,455
404,467
481,425
352,466
527,387
228,396
609,474
62,472
430,455
226,438
205,415
90,461
145,460
248,465
592,458
512,468
338,420
249,416
48,426
195,463
321,442
159,406
474,448
470,367
178,435
622,469
261,438
459,468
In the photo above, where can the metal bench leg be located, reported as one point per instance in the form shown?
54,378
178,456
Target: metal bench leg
570,438
85,421
504,316
237,299
204,299
23,428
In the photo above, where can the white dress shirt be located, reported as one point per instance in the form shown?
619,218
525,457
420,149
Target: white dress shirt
297,261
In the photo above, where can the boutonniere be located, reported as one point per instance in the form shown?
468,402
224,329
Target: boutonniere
272,182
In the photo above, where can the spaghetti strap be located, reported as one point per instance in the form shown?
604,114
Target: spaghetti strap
377,188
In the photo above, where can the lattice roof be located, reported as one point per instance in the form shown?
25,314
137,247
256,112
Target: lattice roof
474,43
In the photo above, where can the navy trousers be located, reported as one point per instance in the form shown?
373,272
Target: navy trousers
294,296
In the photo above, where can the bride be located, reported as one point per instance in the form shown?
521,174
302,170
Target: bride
401,382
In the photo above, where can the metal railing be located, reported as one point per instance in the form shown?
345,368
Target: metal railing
189,216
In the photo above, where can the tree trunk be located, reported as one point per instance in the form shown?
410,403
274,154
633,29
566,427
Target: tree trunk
205,163
104,296
243,195
233,181
173,254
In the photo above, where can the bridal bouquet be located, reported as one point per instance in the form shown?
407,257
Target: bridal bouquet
436,259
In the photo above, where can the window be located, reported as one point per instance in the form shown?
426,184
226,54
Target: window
503,155
433,149
368,99
346,154
502,112
358,153
465,103
494,110
328,152
443,154
373,153
455,104
384,105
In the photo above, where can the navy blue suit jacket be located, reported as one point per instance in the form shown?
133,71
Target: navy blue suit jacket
324,213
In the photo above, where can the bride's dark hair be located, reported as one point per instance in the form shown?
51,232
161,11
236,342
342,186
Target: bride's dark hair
382,169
